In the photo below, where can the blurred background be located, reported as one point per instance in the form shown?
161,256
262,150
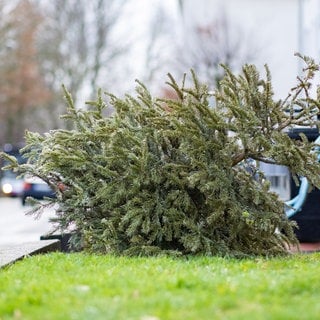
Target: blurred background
87,45
107,44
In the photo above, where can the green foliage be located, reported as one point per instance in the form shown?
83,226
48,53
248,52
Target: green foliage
176,175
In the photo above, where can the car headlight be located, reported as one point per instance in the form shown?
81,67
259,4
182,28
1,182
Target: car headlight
7,188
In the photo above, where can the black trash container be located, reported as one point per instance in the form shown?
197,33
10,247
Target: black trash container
308,219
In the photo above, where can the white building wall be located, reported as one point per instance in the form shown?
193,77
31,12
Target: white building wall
275,28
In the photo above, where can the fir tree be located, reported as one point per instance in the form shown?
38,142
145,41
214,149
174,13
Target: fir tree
176,175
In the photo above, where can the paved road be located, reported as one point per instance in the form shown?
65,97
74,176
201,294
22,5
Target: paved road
17,227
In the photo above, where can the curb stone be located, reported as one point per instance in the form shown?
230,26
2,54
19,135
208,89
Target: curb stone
13,253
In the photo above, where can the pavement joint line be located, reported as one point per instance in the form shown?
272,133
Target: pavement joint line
12,253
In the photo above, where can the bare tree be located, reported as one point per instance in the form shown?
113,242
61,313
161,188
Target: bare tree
77,47
160,42
22,89
44,44
209,45
160,37
181,45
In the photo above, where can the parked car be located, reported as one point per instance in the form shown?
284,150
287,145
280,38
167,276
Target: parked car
11,185
36,188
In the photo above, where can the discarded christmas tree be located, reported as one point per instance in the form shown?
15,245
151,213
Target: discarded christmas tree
178,175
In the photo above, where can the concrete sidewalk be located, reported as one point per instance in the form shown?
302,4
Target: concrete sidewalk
17,227
12,253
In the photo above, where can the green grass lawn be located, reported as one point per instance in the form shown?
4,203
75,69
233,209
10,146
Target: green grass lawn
80,286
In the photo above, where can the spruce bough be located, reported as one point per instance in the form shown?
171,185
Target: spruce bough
177,176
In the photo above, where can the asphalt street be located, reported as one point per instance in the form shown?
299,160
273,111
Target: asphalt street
16,227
